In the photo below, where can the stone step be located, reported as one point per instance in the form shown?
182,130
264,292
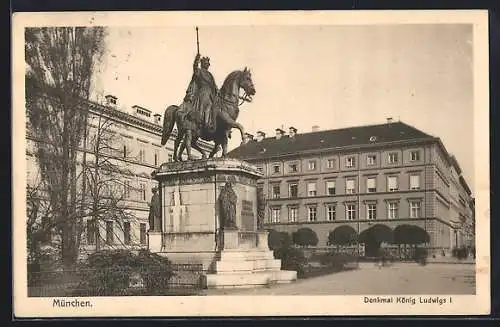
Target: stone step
249,280
246,255
231,266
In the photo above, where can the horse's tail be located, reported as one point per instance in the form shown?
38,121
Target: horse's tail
168,123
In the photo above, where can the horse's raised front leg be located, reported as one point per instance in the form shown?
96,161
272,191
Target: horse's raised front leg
232,124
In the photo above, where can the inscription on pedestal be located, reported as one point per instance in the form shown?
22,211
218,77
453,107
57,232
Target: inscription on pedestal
247,215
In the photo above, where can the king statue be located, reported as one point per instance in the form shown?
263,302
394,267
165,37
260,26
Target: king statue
201,94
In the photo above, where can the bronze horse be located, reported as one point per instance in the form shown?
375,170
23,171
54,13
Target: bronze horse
225,109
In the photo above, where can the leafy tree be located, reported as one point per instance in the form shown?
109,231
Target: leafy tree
377,234
304,237
410,234
61,63
343,235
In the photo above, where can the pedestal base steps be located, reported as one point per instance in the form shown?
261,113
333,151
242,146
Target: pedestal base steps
246,269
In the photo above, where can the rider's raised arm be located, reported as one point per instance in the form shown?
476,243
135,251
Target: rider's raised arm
196,62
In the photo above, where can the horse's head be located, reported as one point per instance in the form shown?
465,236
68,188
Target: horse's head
247,84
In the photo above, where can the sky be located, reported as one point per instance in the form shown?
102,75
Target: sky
330,76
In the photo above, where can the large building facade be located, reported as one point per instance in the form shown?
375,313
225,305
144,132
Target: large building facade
388,174
127,151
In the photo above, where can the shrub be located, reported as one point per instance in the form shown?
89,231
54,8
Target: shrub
278,240
291,259
421,255
111,272
305,236
459,253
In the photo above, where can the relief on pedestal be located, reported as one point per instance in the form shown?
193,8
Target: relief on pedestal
177,211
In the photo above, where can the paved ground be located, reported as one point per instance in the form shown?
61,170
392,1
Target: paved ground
400,278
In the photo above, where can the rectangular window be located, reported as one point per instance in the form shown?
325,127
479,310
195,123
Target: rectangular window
392,158
330,163
142,233
393,210
312,213
126,233
415,209
125,153
276,169
350,187
275,215
157,157
293,168
276,191
126,189
293,190
370,160
392,183
371,211
142,192
330,187
110,235
170,157
415,156
311,165
293,214
350,212
142,154
311,189
414,182
91,232
350,162
331,215
371,185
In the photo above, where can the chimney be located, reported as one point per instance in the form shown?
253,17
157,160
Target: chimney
389,120
260,136
157,119
247,137
315,128
279,133
292,131
111,100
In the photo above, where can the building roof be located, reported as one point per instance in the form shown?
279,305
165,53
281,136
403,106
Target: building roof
329,139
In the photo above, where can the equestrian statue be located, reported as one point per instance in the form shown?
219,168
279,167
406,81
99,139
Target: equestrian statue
207,112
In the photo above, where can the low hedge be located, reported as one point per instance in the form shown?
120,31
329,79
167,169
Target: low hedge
339,261
113,273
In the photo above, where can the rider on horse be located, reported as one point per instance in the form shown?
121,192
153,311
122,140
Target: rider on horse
201,94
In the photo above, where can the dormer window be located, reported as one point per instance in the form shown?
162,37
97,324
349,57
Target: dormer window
373,138
142,111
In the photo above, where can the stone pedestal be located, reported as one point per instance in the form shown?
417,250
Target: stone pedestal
192,231
155,241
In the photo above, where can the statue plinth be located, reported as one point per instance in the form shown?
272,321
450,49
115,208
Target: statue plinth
209,215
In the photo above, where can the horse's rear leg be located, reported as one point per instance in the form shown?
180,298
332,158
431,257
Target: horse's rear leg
187,143
178,139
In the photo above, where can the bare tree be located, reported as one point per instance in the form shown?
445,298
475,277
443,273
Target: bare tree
106,199
61,62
